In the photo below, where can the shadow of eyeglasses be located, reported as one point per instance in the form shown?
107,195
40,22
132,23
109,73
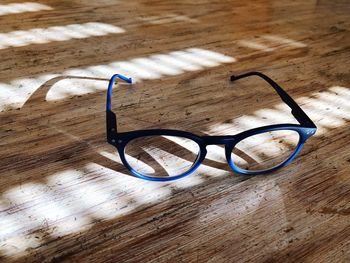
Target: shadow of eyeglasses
164,158
158,168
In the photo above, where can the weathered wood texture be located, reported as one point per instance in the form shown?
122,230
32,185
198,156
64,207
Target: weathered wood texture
65,197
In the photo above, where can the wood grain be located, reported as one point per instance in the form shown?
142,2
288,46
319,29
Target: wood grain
65,196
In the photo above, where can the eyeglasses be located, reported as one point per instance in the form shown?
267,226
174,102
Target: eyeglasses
165,155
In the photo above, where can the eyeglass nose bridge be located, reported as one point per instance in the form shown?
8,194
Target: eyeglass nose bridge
217,140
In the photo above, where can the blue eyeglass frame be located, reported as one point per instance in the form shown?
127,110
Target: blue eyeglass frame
305,129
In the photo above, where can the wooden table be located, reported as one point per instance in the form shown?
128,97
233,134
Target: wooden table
64,195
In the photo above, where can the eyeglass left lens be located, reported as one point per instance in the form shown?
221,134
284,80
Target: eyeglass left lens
264,151
161,156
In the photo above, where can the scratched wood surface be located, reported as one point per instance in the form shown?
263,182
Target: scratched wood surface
64,195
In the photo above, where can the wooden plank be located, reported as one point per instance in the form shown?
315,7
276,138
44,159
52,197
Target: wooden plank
65,196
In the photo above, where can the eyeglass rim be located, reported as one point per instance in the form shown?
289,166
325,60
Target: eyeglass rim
123,138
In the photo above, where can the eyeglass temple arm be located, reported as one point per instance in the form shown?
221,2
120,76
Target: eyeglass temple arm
111,118
297,112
